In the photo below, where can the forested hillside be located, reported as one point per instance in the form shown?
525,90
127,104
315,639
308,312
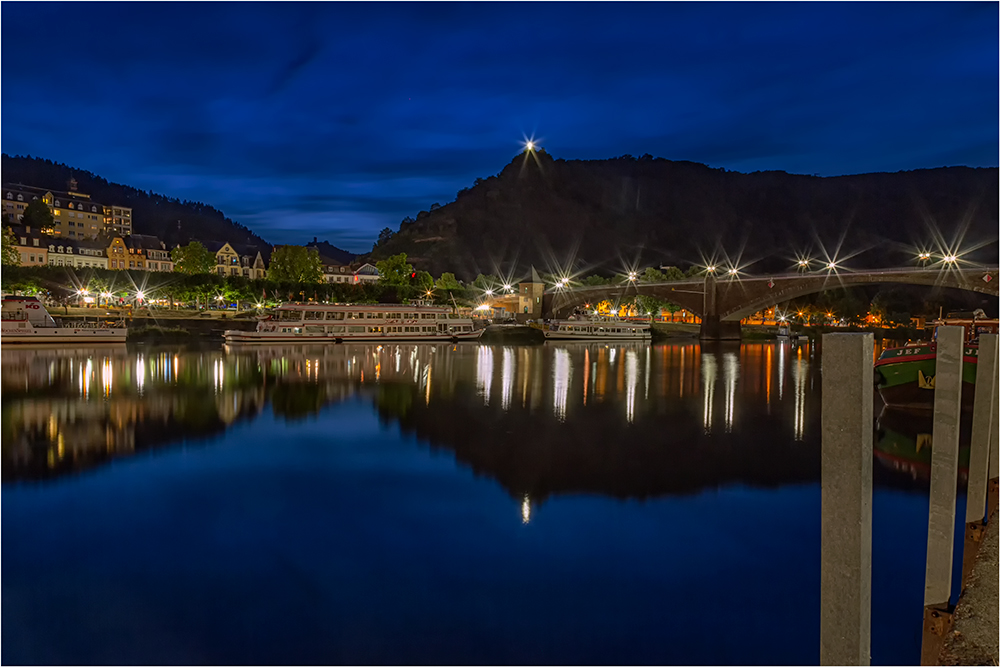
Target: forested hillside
603,213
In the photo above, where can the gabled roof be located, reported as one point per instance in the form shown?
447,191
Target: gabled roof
366,269
143,242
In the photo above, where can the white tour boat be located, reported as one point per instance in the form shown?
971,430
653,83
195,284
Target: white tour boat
597,329
340,323
25,320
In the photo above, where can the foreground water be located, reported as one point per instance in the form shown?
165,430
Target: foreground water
576,503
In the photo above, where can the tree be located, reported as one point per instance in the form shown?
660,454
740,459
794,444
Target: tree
394,270
295,263
11,257
673,273
487,282
194,258
651,275
424,281
595,281
385,235
447,281
37,215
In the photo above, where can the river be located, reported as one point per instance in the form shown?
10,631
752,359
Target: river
559,503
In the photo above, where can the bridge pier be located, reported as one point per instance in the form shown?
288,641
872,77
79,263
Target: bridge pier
712,328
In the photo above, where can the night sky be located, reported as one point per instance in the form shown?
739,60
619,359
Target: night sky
336,120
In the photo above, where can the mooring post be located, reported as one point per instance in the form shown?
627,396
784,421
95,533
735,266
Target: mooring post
979,450
846,505
944,479
991,491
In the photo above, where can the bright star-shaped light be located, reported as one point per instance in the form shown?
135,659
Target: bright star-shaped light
489,292
733,272
950,258
831,265
140,296
710,269
803,262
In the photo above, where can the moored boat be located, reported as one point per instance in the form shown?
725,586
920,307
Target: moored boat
596,329
341,323
904,376
26,320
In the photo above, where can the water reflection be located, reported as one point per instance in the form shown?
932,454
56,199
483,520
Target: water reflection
629,420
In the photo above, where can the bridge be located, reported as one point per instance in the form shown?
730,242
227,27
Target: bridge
722,301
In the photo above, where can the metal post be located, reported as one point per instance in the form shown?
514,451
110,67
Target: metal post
979,452
846,531
944,479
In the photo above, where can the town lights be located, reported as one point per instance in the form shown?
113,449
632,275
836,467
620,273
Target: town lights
85,292
106,295
140,296
614,313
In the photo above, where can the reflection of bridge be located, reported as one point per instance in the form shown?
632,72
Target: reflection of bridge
722,302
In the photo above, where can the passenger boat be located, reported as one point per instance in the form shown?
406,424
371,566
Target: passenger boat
904,376
596,329
341,323
25,320
904,442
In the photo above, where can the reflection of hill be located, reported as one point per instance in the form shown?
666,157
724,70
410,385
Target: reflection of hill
536,454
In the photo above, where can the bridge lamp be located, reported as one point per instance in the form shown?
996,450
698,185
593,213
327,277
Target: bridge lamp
710,269
831,266
489,292
803,262
924,255
733,272
633,276
950,259
508,288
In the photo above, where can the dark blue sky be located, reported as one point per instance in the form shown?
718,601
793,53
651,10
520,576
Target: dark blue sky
336,120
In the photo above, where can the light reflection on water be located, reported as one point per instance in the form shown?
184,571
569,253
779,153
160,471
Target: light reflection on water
201,393
575,488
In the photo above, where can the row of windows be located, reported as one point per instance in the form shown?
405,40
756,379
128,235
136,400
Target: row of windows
295,315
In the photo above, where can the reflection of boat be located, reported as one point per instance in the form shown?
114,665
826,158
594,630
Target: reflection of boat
905,375
904,443
337,323
596,329
25,320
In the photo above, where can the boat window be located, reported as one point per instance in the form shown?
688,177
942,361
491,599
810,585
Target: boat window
289,315
355,329
335,330
334,315
427,316
313,315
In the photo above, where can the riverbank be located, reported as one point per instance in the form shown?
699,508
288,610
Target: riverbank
975,638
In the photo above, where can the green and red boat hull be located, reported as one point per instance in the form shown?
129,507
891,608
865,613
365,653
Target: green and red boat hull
905,376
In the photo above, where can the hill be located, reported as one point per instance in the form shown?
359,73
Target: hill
603,214
170,219
326,249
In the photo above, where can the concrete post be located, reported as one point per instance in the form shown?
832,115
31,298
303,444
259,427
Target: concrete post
979,451
846,531
944,479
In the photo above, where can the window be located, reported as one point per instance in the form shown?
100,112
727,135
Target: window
20,198
131,265
57,203
94,209
10,195
34,242
24,241
70,204
31,258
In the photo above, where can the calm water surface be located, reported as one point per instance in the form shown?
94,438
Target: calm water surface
574,503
